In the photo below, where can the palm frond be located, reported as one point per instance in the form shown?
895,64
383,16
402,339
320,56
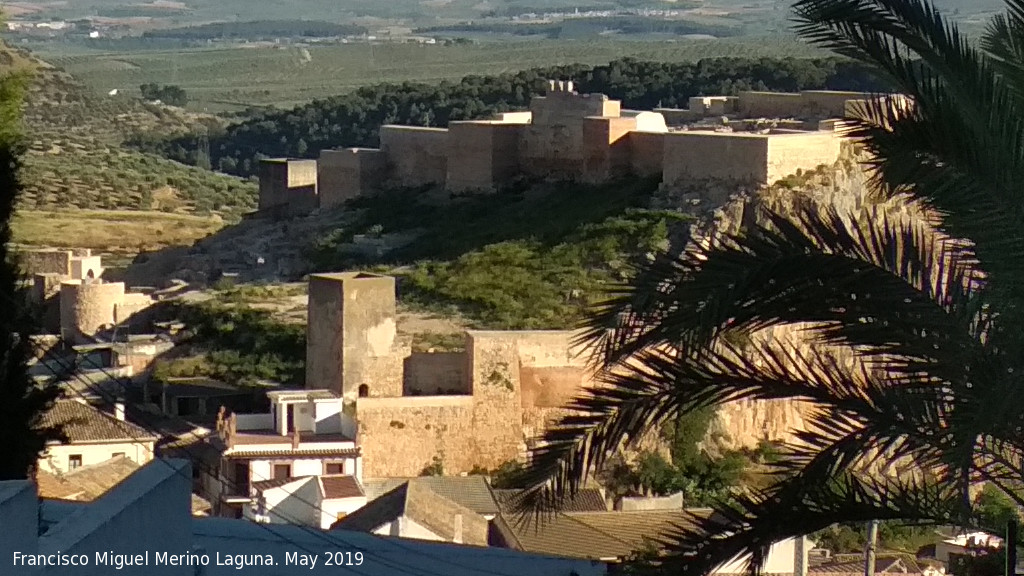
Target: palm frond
960,146
747,528
825,267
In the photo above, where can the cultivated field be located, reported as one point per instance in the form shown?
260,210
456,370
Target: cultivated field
234,78
110,230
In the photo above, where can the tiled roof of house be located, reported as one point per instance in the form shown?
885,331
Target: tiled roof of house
585,500
417,502
851,564
473,492
262,485
92,481
86,483
590,535
241,453
83,423
340,486
383,509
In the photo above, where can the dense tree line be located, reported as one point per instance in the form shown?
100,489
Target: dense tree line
168,94
353,119
588,27
258,30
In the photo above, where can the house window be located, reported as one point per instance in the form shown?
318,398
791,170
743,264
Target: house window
282,471
74,461
364,390
117,455
334,467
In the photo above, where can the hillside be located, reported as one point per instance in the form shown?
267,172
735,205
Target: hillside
75,164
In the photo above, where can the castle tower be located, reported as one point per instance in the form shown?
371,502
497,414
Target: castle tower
351,335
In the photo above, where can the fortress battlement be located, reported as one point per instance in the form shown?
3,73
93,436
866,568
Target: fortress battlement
758,137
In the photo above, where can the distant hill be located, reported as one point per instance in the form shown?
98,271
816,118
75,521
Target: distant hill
75,159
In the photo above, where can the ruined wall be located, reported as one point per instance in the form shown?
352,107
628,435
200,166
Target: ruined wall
482,155
713,105
729,156
415,156
788,153
86,267
131,305
348,173
401,436
45,261
646,153
287,185
770,104
85,308
606,147
828,103
433,373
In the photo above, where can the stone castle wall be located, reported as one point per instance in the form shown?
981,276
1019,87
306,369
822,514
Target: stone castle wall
416,156
482,155
346,174
85,308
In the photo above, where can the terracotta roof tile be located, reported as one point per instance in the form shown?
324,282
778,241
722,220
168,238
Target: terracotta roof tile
83,423
590,535
263,453
585,500
340,486
86,483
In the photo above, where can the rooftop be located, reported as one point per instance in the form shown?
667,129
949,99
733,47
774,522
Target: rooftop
273,437
592,535
417,502
86,483
472,492
84,423
585,500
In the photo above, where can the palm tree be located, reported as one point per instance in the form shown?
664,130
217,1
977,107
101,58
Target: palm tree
931,309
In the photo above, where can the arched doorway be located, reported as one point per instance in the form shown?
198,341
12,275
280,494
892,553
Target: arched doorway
364,390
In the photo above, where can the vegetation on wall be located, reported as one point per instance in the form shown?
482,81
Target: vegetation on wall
353,119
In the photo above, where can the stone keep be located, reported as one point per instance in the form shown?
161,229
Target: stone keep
351,345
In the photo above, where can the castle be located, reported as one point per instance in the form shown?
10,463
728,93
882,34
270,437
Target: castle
756,137
73,298
477,408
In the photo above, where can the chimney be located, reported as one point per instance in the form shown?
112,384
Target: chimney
457,530
119,410
232,428
295,439
220,420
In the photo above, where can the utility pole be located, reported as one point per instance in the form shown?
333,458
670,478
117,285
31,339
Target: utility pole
869,548
1011,548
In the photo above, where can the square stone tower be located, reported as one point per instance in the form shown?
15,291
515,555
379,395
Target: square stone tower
351,346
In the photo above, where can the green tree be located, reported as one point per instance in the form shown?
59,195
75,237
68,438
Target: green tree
932,309
22,403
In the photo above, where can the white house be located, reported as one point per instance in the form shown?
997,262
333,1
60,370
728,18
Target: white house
318,501
963,543
93,436
148,514
306,433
